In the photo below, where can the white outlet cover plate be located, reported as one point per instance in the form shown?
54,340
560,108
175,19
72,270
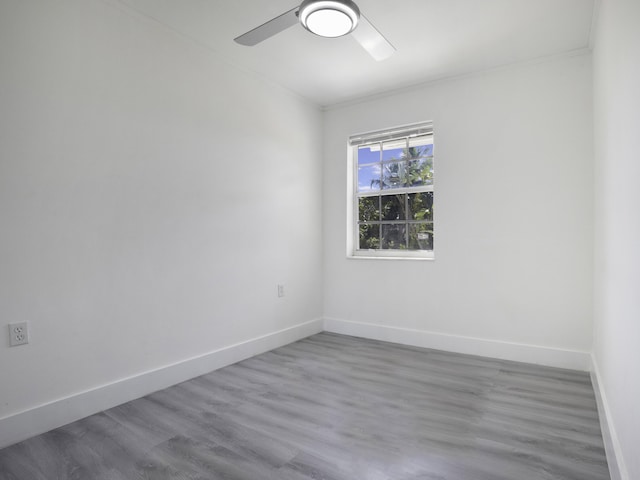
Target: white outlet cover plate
18,333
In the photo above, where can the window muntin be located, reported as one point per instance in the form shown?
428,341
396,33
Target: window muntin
393,194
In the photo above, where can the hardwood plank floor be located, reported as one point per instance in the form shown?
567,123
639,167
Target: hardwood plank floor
337,408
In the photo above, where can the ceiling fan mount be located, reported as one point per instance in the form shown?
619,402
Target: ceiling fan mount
325,18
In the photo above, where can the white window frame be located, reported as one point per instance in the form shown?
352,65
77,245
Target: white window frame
422,129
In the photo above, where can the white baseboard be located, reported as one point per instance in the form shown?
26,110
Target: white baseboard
23,425
617,467
552,357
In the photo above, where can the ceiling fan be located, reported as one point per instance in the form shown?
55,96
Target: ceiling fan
326,18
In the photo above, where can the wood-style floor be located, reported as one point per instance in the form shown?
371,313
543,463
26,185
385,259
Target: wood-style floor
337,408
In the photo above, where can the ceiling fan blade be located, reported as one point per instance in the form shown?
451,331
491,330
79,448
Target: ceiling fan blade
269,29
372,40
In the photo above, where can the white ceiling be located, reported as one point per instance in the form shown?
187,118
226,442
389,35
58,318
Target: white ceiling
433,38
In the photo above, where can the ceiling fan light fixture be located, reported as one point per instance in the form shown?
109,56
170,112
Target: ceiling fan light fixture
329,18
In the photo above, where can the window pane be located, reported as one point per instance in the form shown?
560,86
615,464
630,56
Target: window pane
420,172
369,237
393,207
421,146
394,175
421,206
369,178
421,236
367,155
393,150
394,237
368,209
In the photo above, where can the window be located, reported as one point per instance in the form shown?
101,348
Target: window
392,199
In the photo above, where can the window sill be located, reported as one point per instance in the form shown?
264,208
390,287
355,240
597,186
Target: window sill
390,257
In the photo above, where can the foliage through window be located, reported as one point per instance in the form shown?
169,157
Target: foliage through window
393,192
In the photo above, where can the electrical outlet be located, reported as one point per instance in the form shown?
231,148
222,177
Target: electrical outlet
280,290
18,334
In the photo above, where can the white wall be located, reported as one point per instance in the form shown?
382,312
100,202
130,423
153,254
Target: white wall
514,218
617,265
151,199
